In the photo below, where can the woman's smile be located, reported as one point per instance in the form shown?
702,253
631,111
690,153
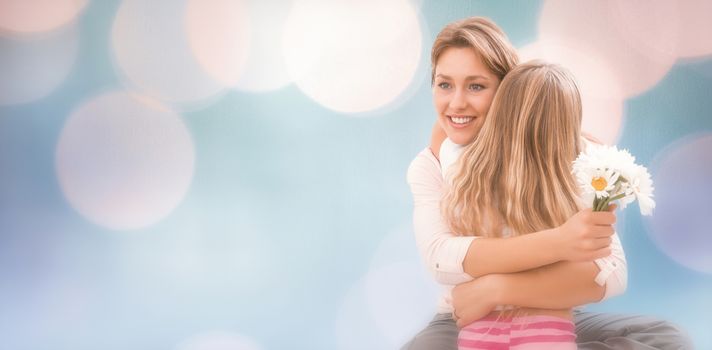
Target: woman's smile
460,121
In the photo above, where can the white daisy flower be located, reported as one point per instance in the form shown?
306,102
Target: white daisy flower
641,185
606,174
629,195
600,182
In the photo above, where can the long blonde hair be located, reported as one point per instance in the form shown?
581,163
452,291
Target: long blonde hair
517,173
482,35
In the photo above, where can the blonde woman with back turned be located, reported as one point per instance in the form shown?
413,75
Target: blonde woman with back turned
525,185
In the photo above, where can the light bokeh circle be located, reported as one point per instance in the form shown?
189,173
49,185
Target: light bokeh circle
401,298
124,161
352,56
219,340
266,68
31,16
389,304
219,35
595,27
354,328
656,29
27,73
672,28
601,95
395,299
680,224
694,39
153,56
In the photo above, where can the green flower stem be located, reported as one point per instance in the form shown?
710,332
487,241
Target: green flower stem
601,204
618,197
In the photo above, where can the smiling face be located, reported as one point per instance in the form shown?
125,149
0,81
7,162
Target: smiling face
463,89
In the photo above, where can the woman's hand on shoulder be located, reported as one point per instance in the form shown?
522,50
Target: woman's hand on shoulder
591,138
436,139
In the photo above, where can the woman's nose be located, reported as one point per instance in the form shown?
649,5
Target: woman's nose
458,100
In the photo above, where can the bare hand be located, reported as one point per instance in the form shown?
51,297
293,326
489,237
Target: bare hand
473,300
586,236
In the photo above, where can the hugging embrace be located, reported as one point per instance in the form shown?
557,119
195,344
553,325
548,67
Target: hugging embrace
498,216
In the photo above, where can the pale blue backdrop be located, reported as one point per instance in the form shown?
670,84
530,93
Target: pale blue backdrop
164,185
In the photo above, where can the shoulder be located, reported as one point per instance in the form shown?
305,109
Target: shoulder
424,165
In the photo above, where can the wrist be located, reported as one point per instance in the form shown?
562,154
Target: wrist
552,243
494,289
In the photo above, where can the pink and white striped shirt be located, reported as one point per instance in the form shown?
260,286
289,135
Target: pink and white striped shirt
537,332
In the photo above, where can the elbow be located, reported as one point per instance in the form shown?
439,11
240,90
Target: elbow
617,283
622,277
441,258
446,272
450,278
614,272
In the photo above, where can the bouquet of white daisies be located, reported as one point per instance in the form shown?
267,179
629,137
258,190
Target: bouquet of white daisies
607,174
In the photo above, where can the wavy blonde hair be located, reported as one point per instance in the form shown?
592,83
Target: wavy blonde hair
482,35
517,173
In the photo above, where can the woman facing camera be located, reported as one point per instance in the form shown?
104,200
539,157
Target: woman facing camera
577,262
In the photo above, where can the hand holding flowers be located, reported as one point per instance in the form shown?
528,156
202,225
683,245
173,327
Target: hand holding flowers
607,174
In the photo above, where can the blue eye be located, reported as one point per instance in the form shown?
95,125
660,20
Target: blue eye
444,85
476,87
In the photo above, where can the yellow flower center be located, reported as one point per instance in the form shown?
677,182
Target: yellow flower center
599,183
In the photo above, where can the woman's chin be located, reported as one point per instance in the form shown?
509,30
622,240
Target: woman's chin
461,138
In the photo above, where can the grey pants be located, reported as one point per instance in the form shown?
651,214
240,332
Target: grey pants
594,331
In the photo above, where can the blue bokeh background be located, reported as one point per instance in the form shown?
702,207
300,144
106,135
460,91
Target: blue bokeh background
295,230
